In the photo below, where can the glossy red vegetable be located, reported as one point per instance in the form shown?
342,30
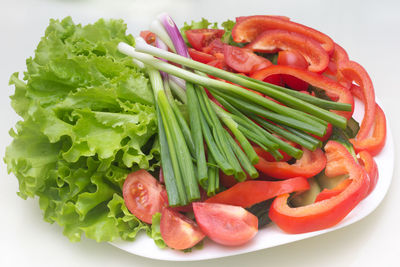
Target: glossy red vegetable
178,231
271,40
375,142
248,193
243,60
310,164
148,36
248,28
328,193
329,212
354,72
333,88
200,56
201,38
142,195
367,161
293,59
225,224
215,47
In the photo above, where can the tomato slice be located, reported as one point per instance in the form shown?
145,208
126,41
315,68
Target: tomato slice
225,224
200,38
215,47
178,231
148,36
142,195
293,59
243,60
310,164
200,56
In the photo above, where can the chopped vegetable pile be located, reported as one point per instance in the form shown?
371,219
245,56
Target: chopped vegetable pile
193,132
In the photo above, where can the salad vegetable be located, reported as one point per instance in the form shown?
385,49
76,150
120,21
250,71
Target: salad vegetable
204,109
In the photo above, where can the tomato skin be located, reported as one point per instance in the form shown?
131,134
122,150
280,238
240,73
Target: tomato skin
215,48
310,164
142,195
243,60
293,59
148,36
178,231
200,38
225,224
200,56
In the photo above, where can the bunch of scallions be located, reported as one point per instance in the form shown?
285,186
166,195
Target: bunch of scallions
215,139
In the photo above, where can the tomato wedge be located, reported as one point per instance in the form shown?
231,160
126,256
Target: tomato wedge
310,164
329,212
148,36
243,60
271,40
200,56
178,231
200,38
248,28
225,224
142,195
248,193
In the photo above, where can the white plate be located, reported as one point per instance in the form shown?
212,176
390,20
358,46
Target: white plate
271,235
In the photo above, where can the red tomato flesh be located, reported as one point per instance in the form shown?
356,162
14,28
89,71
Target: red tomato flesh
178,231
142,195
225,224
203,37
243,60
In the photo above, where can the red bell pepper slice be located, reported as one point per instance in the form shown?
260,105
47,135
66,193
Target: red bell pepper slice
310,164
319,81
271,40
329,212
200,56
200,38
376,141
293,59
328,193
353,71
243,60
367,161
247,29
248,193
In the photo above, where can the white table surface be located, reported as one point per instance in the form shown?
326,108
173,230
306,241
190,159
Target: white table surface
368,30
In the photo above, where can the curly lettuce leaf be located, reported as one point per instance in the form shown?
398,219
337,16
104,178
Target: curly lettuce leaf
88,119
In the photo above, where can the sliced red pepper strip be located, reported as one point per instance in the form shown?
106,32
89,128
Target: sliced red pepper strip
319,81
310,164
328,193
376,141
329,212
339,55
238,19
354,72
248,193
311,50
367,161
247,29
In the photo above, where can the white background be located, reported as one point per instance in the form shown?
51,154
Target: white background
368,30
